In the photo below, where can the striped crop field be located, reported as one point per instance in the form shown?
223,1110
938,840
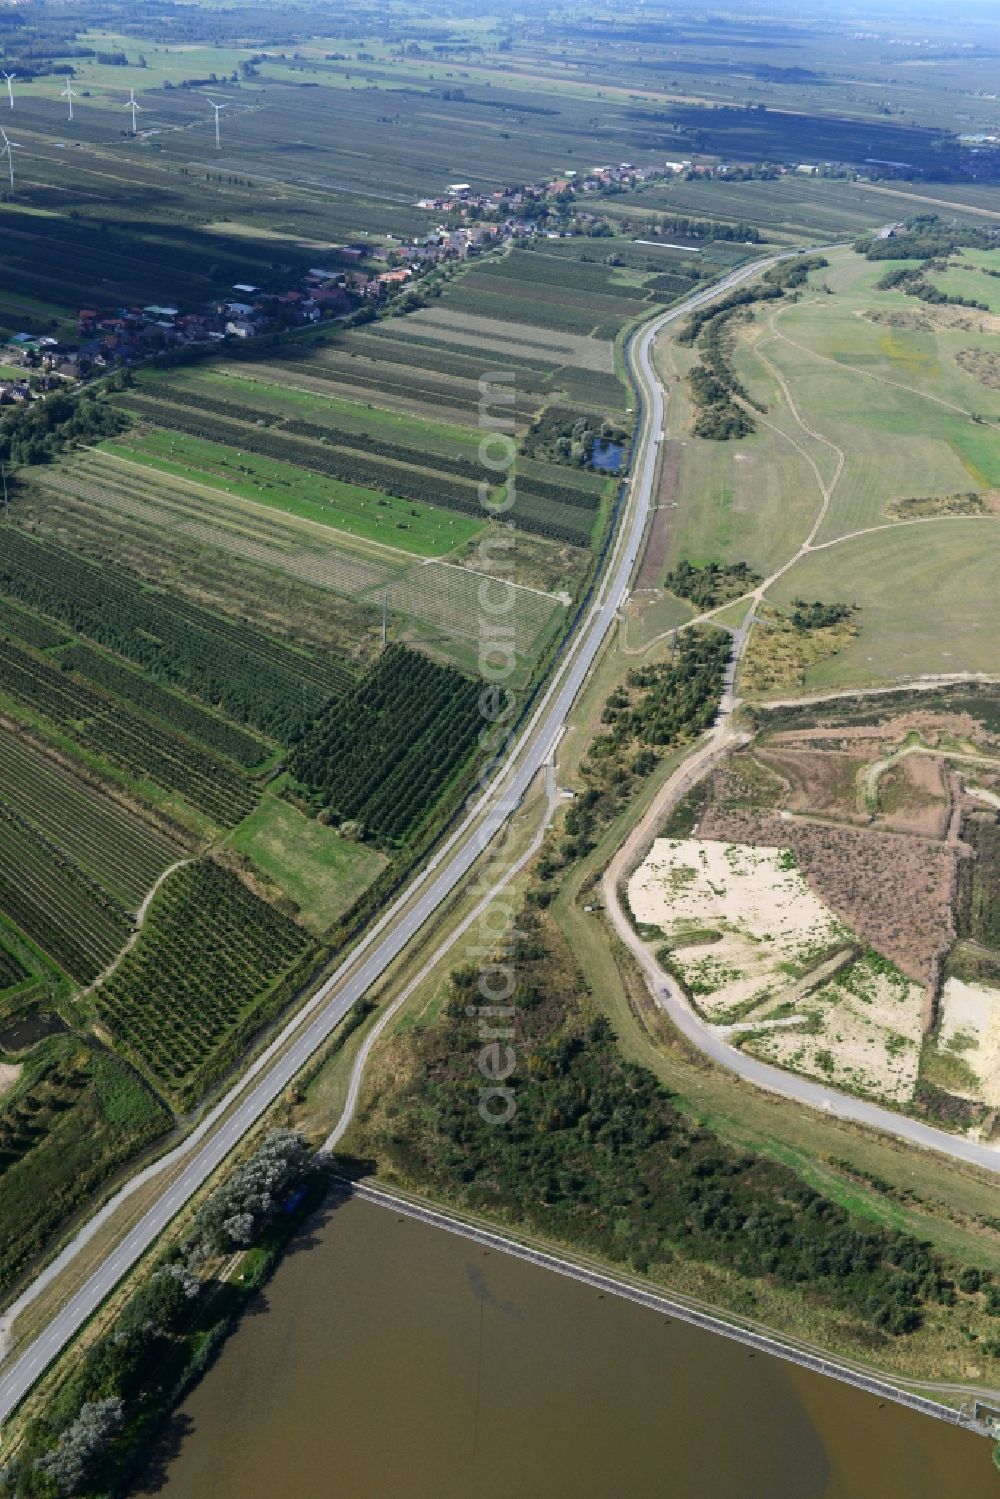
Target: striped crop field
450,598
76,865
199,979
104,839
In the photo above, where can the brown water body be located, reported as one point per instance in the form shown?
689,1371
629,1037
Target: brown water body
391,1360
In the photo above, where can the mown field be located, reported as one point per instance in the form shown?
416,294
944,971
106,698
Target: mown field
902,483
926,596
923,427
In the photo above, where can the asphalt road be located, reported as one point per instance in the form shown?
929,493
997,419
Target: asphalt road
800,1089
270,1074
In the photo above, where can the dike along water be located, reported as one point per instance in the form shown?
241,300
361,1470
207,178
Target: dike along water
388,1357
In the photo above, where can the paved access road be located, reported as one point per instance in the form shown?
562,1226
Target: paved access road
265,1079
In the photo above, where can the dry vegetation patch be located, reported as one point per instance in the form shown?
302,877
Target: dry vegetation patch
895,892
913,796
778,654
982,364
823,783
921,507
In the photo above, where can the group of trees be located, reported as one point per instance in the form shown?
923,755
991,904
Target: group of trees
914,284
684,227
234,1215
711,583
926,236
660,706
600,1156
36,431
97,1423
565,436
720,398
817,615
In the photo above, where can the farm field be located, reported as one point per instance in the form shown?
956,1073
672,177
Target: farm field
349,508
77,864
792,209
325,588
75,1113
192,606
379,758
321,872
201,978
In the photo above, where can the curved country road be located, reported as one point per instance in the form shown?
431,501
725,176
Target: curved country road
270,1073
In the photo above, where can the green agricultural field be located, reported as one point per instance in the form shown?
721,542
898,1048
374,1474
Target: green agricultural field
205,973
239,384
321,872
420,529
75,1114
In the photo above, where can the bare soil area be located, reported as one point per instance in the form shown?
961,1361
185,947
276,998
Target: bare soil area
865,1034
913,797
9,1074
654,557
742,923
895,892
969,1031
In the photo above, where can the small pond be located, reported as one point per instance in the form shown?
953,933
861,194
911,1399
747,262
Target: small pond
607,455
25,1031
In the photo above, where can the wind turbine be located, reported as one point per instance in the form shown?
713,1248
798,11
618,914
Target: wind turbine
9,147
10,87
218,110
134,107
69,94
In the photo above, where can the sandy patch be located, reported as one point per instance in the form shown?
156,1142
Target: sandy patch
762,927
865,1032
895,892
970,1029
9,1074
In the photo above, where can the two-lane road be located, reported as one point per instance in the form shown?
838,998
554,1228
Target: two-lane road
264,1079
